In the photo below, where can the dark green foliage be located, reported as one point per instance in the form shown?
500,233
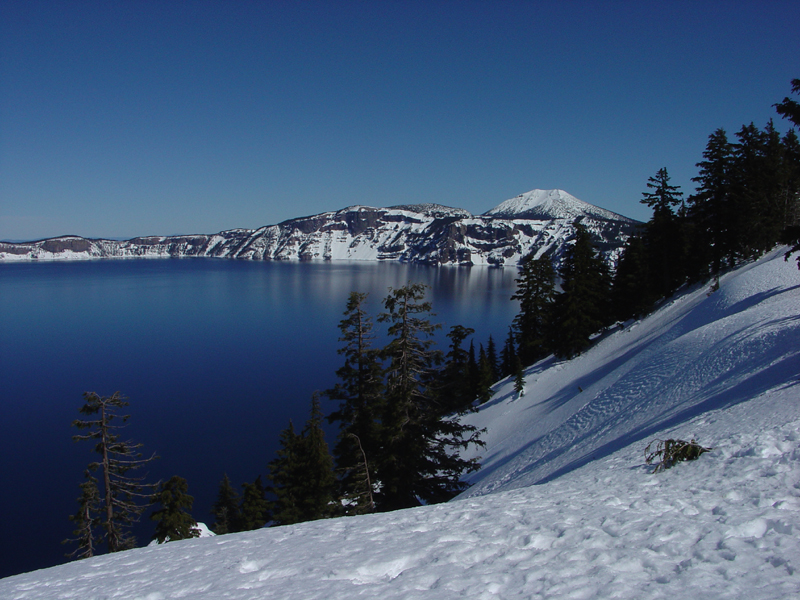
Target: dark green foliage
491,356
631,295
508,355
663,236
86,520
519,377
173,519
124,497
360,396
790,109
669,452
456,388
582,308
302,474
483,390
535,293
226,509
712,207
254,512
418,463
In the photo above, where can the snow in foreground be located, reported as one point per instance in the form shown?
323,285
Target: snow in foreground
722,368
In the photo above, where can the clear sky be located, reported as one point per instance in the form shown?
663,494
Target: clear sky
125,118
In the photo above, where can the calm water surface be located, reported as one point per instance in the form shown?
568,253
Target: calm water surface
215,356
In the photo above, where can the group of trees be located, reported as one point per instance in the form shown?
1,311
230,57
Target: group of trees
747,200
112,497
397,412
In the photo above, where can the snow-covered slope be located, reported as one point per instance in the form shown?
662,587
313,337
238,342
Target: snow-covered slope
723,368
419,233
550,204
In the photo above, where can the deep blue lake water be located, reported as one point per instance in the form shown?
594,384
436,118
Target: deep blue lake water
214,355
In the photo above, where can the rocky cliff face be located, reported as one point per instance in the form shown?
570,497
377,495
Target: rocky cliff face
533,223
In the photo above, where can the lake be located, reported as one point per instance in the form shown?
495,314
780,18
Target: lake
214,355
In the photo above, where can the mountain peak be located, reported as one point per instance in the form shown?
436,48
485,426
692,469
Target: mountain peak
549,204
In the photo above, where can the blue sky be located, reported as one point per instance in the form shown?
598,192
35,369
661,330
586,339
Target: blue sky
126,118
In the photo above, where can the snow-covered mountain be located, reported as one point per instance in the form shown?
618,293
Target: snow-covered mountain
420,233
564,506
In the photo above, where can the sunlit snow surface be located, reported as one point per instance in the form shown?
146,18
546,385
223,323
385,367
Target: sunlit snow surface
723,368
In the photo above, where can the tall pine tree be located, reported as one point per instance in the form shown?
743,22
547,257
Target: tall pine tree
535,293
582,308
124,497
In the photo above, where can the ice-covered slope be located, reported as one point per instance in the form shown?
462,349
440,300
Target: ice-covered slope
722,368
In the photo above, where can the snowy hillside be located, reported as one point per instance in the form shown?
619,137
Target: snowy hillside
550,204
723,368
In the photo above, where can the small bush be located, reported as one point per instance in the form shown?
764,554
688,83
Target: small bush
668,452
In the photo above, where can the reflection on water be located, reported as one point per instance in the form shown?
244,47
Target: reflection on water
215,356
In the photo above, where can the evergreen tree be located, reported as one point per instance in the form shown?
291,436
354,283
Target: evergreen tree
286,474
86,520
535,293
519,378
455,387
712,209
319,481
302,474
418,461
173,520
790,109
254,511
491,356
508,356
485,380
631,295
360,396
122,494
581,309
226,509
664,235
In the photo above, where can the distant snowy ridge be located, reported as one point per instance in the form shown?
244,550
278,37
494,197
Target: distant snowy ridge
722,367
418,233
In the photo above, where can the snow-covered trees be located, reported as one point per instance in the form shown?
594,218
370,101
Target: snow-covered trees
120,497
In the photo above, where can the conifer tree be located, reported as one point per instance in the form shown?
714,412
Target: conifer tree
319,481
631,295
519,378
485,380
491,356
226,509
302,475
124,497
419,461
664,234
86,520
286,473
455,387
711,207
581,309
360,395
535,293
508,356
790,109
173,519
254,511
